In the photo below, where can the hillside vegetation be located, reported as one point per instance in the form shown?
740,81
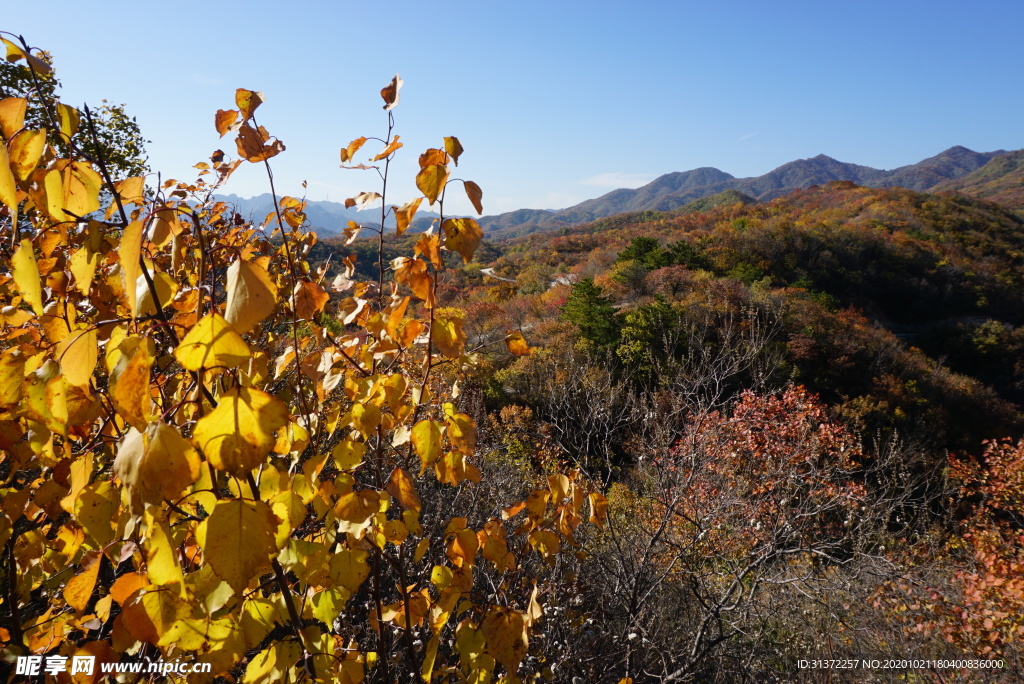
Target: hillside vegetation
693,444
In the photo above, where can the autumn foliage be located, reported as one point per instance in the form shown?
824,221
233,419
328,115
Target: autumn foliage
210,453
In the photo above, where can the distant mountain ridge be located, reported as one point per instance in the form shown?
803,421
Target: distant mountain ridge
999,174
674,190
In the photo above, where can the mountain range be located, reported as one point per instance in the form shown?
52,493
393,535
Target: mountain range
998,176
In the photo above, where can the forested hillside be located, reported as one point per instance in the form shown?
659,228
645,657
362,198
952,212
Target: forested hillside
701,444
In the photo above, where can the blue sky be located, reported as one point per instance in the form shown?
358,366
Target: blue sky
555,102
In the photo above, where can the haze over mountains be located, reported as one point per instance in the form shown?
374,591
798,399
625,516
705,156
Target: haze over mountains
996,175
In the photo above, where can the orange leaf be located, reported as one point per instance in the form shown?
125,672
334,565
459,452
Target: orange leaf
226,121
475,194
309,299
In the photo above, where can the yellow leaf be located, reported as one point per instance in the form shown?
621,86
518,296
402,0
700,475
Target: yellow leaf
226,120
251,295
598,509
12,115
349,569
462,548
96,509
238,540
129,379
461,430
453,469
426,440
404,214
475,195
12,375
26,275
83,265
68,118
219,641
78,590
14,53
129,252
348,454
454,148
247,101
273,663
558,485
462,235
390,93
516,343
355,511
237,435
80,190
547,543
8,186
26,148
131,190
156,464
162,566
401,486
447,336
365,418
349,153
431,180
212,343
151,612
504,631
429,245
258,619
78,354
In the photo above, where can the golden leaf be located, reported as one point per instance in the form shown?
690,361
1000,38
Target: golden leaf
309,299
349,153
247,101
238,540
156,464
238,434
453,469
401,486
68,118
162,566
431,180
79,190
426,440
404,214
475,195
516,343
12,115
151,612
598,509
251,295
26,148
8,186
558,485
463,235
504,631
254,144
349,569
348,454
355,511
433,156
212,343
131,190
226,120
129,253
129,380
365,418
461,430
390,149
78,354
26,275
390,93
78,590
453,147
447,336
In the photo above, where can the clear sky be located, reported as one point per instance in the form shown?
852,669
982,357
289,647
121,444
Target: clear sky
554,102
